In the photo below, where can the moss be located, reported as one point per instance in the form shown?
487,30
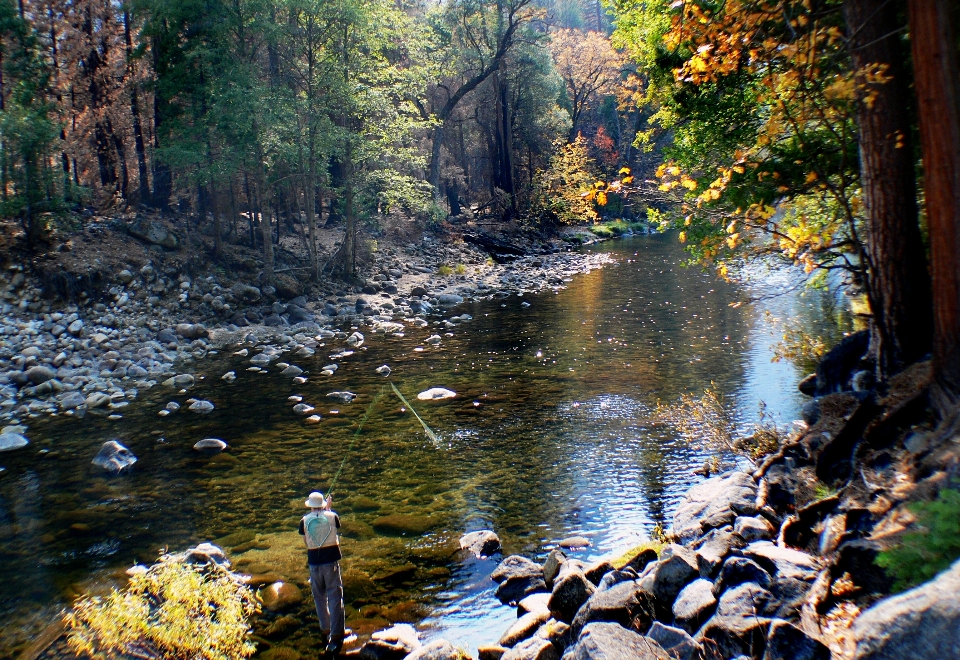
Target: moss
280,653
363,503
403,525
634,552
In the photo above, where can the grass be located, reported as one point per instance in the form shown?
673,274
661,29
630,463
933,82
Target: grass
613,228
460,269
445,270
632,553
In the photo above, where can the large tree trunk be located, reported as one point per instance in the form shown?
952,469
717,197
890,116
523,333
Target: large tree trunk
933,33
162,176
143,188
898,284
504,168
310,199
434,175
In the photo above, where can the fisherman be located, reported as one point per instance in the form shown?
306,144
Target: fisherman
319,529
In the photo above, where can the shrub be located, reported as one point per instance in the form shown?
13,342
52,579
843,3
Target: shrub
932,547
174,610
444,270
460,269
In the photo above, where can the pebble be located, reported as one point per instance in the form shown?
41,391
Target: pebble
303,408
433,340
383,371
11,441
210,446
313,419
202,407
345,397
435,393
299,380
229,377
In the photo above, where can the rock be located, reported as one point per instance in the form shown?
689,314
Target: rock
523,628
97,400
246,293
753,528
355,340
291,371
732,636
490,652
569,593
551,567
72,400
481,544
736,571
595,571
694,605
40,374
383,371
714,547
394,643
436,393
840,362
280,596
433,340
210,446
10,441
641,559
303,409
345,397
439,649
535,648
808,385
619,604
99,338
75,328
921,623
125,276
574,542
152,231
747,599
192,331
714,503
616,577
449,299
201,407
610,641
229,377
534,603
515,566
180,381
206,553
787,642
784,562
399,524
676,568
167,335
114,457
677,643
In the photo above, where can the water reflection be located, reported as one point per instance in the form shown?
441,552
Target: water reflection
546,438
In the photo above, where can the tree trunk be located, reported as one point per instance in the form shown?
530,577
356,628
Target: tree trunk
435,159
143,187
310,200
162,176
898,284
266,232
933,34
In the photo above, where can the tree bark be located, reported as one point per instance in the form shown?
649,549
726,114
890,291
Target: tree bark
898,283
143,185
162,176
933,35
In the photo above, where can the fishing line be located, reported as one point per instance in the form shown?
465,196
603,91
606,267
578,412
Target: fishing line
427,429
356,433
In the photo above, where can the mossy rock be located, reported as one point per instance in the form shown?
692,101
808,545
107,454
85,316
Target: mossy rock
355,529
631,554
364,503
280,653
237,538
396,574
281,627
399,524
357,584
406,612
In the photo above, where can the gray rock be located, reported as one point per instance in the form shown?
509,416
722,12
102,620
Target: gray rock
114,457
677,643
523,628
394,643
534,603
713,503
206,553
676,568
616,577
345,397
192,330
738,570
551,567
303,409
75,328
97,400
439,649
595,571
747,599
569,593
921,623
753,528
291,371
201,407
535,648
10,441
784,562
355,340
787,642
210,446
482,543
125,276
622,604
610,641
72,400
714,547
694,605
515,566
732,636
246,293
152,231
167,335
449,299
518,577
38,375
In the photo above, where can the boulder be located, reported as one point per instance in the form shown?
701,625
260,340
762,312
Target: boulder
206,553
616,577
738,570
676,568
438,649
514,567
621,604
10,441
609,641
523,628
152,231
921,623
569,593
677,643
551,567
535,648
732,636
482,543
753,528
280,596
784,562
435,393
246,293
394,643
449,299
785,641
72,400
167,335
840,363
491,652
534,603
714,547
747,599
595,571
694,605
114,457
40,374
210,446
192,330
714,503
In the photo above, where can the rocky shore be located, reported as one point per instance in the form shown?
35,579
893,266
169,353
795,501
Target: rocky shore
154,322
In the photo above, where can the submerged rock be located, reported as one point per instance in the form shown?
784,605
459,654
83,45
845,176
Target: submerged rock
201,407
481,544
114,457
436,393
11,441
210,446
345,397
383,371
280,596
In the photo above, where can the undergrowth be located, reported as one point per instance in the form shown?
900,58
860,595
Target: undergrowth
931,547
174,610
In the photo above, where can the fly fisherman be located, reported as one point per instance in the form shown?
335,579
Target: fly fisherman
319,529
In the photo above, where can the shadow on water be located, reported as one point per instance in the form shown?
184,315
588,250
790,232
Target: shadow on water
547,437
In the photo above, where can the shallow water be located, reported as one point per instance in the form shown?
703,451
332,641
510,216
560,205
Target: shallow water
549,436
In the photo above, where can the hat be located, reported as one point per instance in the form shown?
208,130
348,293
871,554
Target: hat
315,501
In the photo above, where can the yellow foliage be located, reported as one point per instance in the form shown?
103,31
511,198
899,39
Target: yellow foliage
602,198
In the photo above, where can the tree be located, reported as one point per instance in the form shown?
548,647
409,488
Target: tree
933,27
590,68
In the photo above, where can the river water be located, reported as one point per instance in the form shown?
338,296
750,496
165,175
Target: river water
549,436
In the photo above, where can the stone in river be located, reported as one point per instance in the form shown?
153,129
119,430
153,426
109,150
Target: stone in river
114,457
299,380
438,649
38,375
11,441
433,340
303,408
481,544
436,393
75,328
230,376
98,400
202,407
611,641
384,370
402,524
355,340
313,419
346,397
291,370
397,642
280,596
210,446
72,400
173,406
447,299
574,542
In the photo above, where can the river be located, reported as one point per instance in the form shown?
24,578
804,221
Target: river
549,436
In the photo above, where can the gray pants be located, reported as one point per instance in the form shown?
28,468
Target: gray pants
327,588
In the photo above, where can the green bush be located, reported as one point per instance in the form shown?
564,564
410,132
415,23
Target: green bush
932,547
